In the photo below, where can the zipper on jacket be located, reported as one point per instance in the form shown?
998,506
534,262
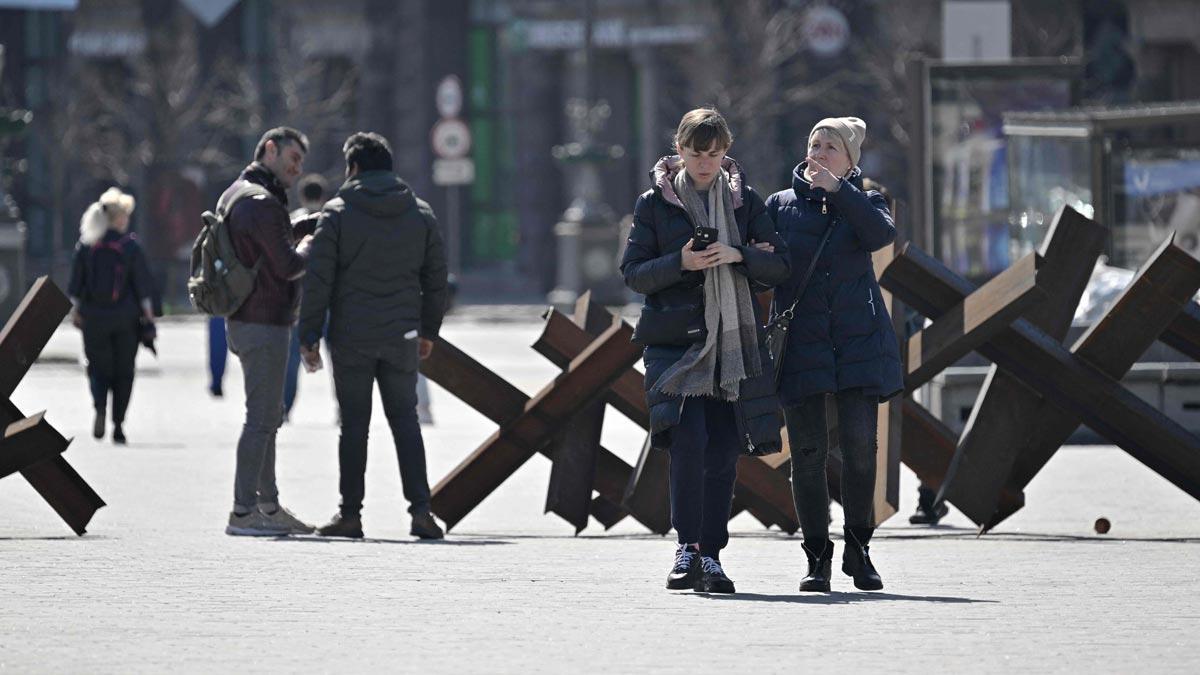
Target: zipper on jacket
824,209
871,300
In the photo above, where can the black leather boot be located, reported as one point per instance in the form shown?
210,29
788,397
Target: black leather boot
929,510
98,424
820,565
856,559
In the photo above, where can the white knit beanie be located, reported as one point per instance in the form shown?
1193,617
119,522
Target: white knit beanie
851,130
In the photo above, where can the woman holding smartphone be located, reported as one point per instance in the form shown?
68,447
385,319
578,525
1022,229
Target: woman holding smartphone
700,238
841,342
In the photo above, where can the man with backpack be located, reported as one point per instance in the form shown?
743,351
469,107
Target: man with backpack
378,267
254,211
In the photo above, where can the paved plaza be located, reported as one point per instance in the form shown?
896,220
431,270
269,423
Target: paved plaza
156,585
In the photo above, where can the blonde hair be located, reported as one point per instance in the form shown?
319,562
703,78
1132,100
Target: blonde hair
97,219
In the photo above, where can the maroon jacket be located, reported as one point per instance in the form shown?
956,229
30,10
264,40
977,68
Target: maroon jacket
261,230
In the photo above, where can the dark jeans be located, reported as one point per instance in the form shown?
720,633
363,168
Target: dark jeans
110,344
857,418
291,380
218,349
704,453
355,372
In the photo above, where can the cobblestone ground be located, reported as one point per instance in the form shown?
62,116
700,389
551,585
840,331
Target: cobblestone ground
155,585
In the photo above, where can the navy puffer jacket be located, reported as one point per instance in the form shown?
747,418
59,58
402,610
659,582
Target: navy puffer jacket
841,337
652,266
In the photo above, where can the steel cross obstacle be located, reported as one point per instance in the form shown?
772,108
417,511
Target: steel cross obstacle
1039,390
759,488
30,445
563,422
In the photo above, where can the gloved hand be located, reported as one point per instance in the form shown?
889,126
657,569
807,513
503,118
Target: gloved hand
147,333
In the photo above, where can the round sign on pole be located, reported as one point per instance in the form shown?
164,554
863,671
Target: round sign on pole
449,97
451,139
825,30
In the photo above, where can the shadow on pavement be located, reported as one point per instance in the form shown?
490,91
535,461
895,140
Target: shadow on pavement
61,537
966,533
838,598
374,540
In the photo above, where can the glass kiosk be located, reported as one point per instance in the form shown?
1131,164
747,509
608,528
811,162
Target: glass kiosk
1133,168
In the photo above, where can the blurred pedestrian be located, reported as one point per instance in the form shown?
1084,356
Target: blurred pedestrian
218,350
841,342
378,270
111,298
260,330
700,237
312,189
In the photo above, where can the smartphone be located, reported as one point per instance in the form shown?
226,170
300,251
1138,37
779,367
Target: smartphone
702,237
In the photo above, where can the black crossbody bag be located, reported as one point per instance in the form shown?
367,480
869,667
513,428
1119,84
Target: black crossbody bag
778,326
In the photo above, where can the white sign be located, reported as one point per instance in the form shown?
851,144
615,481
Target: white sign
453,171
825,30
451,139
977,31
449,97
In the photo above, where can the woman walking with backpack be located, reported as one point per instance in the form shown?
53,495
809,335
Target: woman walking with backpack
840,342
700,238
110,293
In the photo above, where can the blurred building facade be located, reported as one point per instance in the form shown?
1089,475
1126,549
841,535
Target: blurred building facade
167,97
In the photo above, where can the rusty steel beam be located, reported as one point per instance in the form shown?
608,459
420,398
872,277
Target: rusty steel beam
470,381
1070,381
21,341
584,382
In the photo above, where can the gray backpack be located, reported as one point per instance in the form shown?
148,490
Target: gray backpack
219,282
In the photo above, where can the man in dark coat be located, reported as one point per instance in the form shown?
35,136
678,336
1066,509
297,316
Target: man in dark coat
260,330
378,267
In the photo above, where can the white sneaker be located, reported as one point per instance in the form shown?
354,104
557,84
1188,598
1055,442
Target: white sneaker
288,522
254,524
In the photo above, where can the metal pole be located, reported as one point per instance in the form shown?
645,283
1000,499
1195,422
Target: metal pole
453,230
589,14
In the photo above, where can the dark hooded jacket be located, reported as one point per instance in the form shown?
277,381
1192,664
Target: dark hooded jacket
841,336
653,266
111,278
377,265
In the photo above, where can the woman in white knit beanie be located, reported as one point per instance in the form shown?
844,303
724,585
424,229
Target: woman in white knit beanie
841,342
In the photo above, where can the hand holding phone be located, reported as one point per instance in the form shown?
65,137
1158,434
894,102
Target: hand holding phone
703,236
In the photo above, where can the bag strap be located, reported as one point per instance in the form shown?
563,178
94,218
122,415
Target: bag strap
790,312
247,189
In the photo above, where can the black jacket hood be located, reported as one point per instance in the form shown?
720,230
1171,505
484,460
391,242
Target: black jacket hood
379,193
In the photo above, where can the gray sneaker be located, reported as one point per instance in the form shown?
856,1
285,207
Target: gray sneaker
289,522
254,524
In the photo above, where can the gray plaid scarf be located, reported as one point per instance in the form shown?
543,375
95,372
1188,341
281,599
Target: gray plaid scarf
732,341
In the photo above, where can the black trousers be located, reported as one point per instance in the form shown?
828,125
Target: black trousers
355,372
110,344
857,417
704,453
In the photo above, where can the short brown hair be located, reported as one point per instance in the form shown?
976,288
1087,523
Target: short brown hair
701,129
282,136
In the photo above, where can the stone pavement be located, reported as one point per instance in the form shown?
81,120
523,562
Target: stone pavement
156,585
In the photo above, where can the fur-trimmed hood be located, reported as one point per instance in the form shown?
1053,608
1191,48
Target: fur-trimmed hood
666,168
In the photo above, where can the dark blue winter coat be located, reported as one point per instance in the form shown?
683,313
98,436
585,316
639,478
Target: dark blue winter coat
841,336
652,266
